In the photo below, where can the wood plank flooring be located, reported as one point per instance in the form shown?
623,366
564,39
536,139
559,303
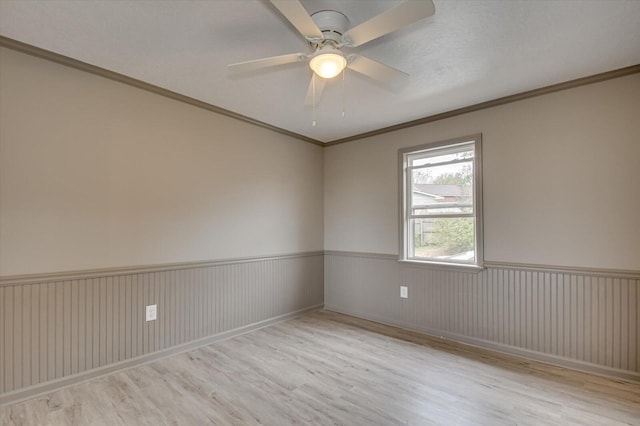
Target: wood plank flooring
329,369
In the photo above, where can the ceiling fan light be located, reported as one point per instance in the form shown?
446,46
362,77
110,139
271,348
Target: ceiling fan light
328,65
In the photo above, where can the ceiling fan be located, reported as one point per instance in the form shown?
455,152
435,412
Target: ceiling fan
328,33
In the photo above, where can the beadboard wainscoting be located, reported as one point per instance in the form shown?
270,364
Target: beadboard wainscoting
62,328
583,319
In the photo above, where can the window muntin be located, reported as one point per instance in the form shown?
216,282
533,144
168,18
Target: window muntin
441,202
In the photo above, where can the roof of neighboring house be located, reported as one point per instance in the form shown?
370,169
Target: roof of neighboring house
441,190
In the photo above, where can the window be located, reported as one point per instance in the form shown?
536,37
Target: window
441,202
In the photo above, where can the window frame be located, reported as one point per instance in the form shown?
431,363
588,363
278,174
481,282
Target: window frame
404,217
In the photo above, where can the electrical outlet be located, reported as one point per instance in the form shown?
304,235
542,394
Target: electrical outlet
404,291
152,312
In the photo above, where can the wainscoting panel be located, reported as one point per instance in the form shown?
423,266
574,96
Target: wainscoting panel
63,325
582,319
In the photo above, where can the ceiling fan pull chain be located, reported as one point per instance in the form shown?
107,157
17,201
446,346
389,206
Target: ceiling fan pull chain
344,71
313,89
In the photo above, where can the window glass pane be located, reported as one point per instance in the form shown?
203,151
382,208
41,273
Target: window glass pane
446,239
442,213
429,158
448,184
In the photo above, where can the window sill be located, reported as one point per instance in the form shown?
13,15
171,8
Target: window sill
442,265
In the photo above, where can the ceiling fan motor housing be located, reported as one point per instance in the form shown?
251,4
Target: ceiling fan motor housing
332,24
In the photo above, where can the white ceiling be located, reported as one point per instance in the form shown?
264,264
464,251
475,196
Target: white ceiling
468,52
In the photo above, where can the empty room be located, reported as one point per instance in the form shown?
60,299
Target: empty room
319,212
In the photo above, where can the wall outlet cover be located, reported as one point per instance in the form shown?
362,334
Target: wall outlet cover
404,291
152,312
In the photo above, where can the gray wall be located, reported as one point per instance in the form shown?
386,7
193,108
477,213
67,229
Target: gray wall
98,174
561,174
52,328
95,175
584,319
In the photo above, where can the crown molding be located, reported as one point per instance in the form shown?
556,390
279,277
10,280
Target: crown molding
597,78
121,78
74,63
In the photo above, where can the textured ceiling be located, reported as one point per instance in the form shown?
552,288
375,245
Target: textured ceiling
468,52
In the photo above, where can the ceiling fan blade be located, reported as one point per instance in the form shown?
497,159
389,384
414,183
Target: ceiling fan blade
267,62
387,22
319,83
376,70
295,13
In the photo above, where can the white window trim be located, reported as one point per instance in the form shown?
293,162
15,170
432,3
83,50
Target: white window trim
477,202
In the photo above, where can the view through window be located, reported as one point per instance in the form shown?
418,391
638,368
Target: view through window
441,202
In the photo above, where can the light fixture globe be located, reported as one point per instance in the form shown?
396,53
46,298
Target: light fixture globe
328,62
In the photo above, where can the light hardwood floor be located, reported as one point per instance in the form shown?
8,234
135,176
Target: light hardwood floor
326,368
